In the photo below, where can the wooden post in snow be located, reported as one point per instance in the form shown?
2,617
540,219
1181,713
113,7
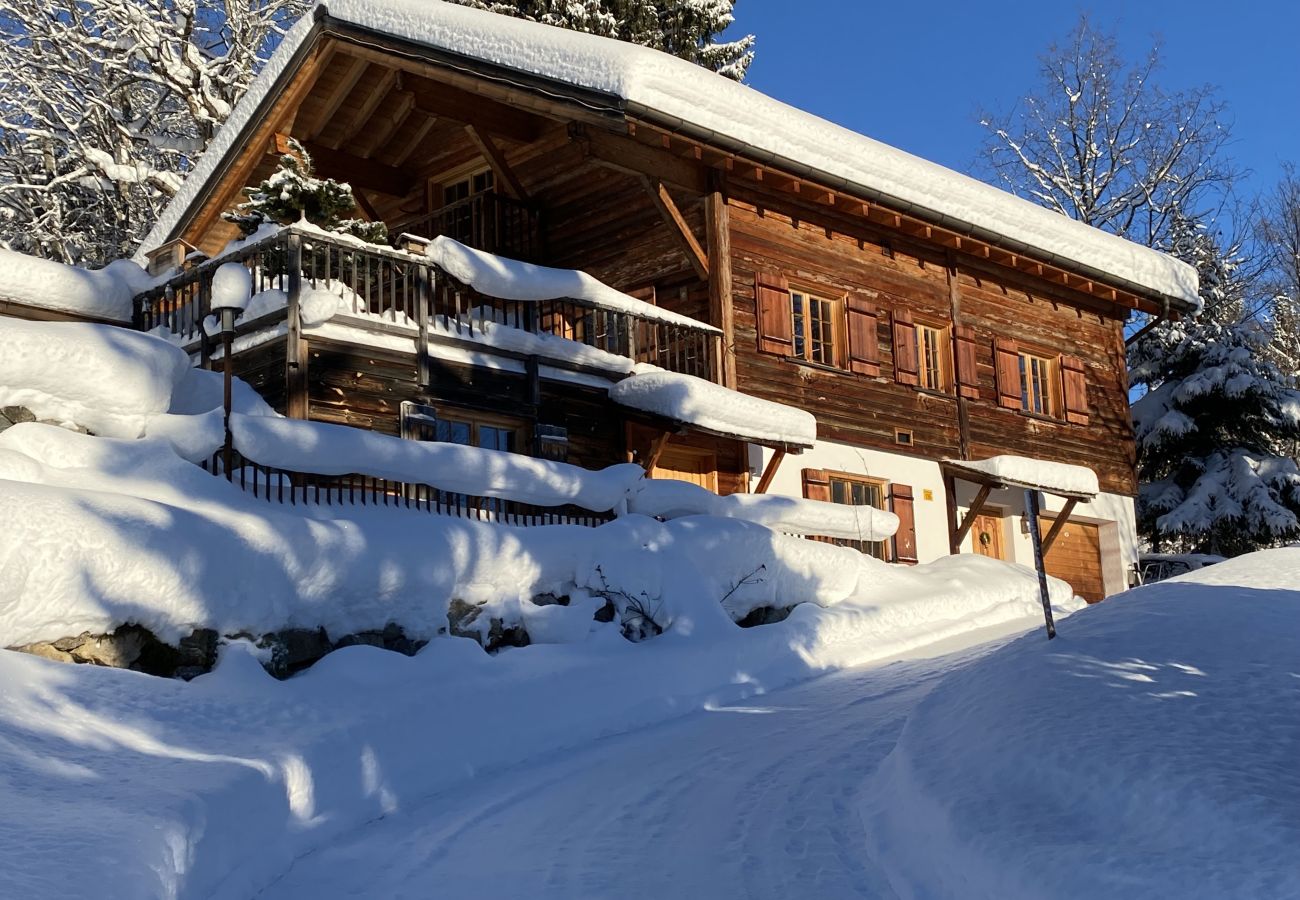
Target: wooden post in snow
1032,514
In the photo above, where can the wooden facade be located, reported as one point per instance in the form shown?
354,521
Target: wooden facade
924,330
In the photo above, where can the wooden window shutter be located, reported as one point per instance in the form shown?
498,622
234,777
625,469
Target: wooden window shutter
775,324
907,366
817,485
864,338
1074,390
1006,362
963,344
901,504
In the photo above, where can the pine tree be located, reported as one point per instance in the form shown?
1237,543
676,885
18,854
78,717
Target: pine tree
293,193
684,28
1217,423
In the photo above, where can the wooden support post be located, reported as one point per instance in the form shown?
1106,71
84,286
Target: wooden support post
950,501
423,307
1062,519
1032,512
721,307
532,371
497,161
656,451
295,356
963,405
668,210
769,473
967,523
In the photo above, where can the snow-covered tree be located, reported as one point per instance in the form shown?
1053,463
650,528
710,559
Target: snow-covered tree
107,103
685,28
293,193
1218,421
1100,141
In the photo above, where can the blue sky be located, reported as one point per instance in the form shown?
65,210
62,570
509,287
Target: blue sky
915,74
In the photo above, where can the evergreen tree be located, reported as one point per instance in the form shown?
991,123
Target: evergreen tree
1217,423
684,28
293,193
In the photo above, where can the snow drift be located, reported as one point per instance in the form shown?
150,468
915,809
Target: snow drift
100,293
1149,751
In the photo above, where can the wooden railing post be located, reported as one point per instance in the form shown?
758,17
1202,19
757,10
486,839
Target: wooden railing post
423,309
296,405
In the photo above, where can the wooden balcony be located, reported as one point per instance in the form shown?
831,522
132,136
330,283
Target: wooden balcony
491,222
401,294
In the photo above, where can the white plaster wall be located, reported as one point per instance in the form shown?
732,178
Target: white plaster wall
1113,514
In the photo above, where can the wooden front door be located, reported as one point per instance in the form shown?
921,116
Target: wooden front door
688,464
986,535
1075,558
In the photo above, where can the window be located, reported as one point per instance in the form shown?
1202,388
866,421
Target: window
933,355
464,188
814,327
860,492
423,423
1038,385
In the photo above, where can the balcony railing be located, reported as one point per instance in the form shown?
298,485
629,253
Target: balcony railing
383,288
489,222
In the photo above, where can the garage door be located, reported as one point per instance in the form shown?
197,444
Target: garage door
1075,558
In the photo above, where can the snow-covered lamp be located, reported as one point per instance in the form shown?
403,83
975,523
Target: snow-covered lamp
232,287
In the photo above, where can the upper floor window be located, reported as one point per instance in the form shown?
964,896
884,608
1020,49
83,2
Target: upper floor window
934,357
464,188
814,322
1038,385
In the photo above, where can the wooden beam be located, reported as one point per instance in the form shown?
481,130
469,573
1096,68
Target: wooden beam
969,522
379,135
663,201
377,95
632,157
402,151
466,108
497,160
364,173
722,312
770,471
1062,519
656,451
351,75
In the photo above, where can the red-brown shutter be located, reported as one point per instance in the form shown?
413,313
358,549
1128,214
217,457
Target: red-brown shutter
1006,362
900,503
864,338
816,485
775,325
968,381
907,368
1074,388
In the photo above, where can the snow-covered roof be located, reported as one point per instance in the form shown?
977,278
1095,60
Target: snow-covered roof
1021,471
657,86
712,407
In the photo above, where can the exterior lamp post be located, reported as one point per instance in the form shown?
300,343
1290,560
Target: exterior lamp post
232,286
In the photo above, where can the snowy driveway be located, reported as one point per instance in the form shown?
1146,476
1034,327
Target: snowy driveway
752,800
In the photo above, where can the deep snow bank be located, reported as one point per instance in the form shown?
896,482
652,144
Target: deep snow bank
1149,751
103,377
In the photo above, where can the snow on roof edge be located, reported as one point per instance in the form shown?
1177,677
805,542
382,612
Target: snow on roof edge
653,81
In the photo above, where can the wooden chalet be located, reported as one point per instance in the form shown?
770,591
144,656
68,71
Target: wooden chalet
914,332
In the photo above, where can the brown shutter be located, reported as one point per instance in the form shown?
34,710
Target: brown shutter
775,325
816,485
968,381
1074,388
900,503
907,368
1006,362
864,338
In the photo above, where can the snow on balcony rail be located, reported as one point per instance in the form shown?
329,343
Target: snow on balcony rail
1022,472
712,407
96,294
510,279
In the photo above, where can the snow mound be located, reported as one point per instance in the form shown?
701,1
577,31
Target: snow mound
102,377
670,499
1149,751
509,279
691,400
101,293
1038,473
